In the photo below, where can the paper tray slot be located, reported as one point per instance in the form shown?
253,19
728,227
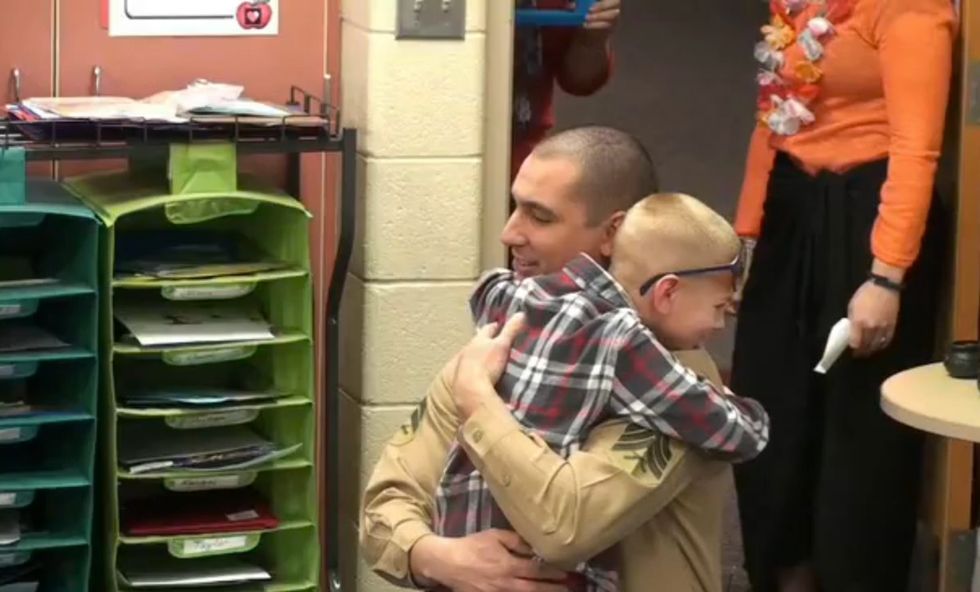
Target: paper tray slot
58,329
62,392
282,369
290,494
62,569
58,518
191,355
159,322
52,248
286,464
187,285
62,449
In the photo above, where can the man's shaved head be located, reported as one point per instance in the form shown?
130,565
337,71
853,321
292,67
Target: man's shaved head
615,170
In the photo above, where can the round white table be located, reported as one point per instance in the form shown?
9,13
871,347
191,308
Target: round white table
928,399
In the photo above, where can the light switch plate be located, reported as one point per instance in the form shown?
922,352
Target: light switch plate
973,93
431,19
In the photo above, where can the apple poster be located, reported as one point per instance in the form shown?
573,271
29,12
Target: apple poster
193,18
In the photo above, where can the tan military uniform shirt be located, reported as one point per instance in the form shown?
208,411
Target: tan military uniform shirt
653,503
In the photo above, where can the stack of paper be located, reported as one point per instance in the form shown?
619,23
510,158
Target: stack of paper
197,397
18,336
95,108
186,255
13,398
187,323
179,106
26,282
166,572
198,513
17,272
20,578
9,527
152,446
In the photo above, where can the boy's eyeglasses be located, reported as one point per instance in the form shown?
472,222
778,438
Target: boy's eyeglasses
735,268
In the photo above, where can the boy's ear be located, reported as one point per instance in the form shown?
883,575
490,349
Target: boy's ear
662,294
609,238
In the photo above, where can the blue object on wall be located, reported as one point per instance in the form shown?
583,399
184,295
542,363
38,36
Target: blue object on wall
532,17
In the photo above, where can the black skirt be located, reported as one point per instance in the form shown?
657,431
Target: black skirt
838,484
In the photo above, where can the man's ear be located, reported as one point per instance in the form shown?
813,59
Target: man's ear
609,233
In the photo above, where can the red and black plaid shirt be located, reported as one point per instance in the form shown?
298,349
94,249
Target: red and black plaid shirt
585,357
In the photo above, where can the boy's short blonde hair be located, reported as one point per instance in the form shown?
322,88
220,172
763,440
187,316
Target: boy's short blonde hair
667,232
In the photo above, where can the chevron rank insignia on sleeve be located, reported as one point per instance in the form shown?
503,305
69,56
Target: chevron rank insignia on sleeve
406,432
642,453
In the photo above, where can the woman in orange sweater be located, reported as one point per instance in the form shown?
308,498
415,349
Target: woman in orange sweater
838,215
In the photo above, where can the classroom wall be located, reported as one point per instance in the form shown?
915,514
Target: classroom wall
419,108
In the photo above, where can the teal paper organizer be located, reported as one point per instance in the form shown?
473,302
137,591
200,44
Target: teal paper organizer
200,189
47,460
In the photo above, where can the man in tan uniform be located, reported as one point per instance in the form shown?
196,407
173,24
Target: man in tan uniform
653,503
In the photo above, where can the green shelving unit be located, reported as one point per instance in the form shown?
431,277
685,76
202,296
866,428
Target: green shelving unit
199,192
47,451
197,188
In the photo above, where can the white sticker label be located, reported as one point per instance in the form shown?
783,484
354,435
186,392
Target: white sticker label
7,499
7,370
194,358
208,292
9,434
213,420
215,545
208,483
246,515
9,310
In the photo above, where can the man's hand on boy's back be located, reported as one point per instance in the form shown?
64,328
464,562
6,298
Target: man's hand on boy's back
481,363
488,561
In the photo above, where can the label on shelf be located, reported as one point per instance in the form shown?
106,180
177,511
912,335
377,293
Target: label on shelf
212,356
245,515
7,499
186,484
13,559
212,292
9,435
18,370
216,545
213,420
10,310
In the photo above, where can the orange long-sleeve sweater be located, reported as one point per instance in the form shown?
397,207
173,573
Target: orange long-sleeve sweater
884,91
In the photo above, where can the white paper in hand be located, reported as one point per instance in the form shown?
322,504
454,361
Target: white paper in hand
836,344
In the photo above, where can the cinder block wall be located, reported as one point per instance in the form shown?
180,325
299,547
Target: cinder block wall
419,107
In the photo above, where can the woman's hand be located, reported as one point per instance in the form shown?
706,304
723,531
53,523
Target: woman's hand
873,312
603,16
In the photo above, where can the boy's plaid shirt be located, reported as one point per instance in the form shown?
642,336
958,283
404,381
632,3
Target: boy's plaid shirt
584,358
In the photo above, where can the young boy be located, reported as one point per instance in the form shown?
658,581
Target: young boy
596,346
